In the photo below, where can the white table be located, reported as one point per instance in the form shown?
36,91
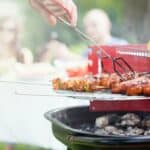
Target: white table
21,117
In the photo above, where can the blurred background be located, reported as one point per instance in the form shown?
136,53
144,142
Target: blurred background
130,21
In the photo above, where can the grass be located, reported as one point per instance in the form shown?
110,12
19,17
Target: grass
21,147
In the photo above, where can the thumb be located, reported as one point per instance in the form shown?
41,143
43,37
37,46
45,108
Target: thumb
52,20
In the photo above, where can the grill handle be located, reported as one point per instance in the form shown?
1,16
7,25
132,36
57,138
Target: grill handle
106,140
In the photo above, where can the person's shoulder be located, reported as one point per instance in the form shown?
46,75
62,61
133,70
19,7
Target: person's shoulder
116,40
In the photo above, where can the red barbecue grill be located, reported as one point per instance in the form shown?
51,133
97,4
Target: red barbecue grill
138,56
134,54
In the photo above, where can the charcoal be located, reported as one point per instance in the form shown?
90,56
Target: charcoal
102,122
129,124
87,127
134,131
101,132
113,119
130,119
146,122
147,132
113,130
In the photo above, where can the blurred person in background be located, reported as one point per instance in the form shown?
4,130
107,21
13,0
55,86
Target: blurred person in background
10,45
9,38
15,61
11,51
98,26
10,41
59,55
56,50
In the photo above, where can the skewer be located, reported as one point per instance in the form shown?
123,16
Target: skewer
25,83
30,94
106,97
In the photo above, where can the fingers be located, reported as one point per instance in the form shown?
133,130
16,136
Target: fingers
58,8
70,10
51,19
63,8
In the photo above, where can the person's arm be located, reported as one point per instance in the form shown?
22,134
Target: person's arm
60,8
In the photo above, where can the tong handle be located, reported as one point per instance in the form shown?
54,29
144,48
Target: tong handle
83,35
76,29
122,64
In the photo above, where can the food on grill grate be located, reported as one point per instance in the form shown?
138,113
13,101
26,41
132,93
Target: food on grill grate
131,87
87,84
146,90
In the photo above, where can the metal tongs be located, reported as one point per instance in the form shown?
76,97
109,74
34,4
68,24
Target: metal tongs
120,65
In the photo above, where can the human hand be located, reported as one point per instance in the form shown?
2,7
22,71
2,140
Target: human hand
51,9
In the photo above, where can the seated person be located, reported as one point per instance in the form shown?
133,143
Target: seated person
62,59
9,38
98,26
26,68
15,61
55,50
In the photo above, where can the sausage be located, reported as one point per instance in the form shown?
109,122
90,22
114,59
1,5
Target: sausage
131,87
116,88
146,90
120,88
134,90
109,81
